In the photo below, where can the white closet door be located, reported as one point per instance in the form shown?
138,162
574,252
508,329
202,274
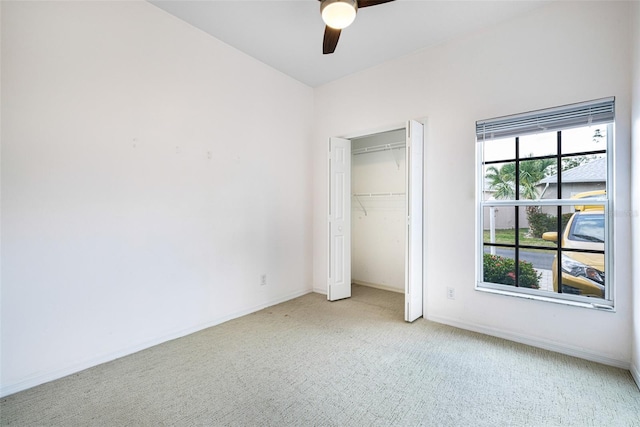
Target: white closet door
413,258
339,286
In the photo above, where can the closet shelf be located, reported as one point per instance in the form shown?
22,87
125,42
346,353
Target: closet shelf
378,194
383,147
359,195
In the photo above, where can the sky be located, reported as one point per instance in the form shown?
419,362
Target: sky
573,141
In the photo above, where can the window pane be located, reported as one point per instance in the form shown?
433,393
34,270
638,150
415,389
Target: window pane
584,139
503,225
536,262
583,177
540,220
583,274
537,269
499,149
583,255
540,144
528,276
499,267
499,181
532,174
587,225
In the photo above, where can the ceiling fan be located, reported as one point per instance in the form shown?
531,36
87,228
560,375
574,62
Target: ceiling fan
339,14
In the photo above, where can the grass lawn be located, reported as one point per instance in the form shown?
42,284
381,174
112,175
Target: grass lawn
508,236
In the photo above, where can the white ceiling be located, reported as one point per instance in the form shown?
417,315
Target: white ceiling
287,34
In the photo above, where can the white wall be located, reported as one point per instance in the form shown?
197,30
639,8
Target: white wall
150,175
635,190
559,54
378,238
0,191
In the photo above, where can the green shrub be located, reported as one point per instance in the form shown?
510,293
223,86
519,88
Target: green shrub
541,222
499,269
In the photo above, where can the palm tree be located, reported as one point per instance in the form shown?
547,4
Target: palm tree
531,173
503,181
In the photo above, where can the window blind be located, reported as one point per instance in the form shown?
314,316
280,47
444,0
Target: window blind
568,116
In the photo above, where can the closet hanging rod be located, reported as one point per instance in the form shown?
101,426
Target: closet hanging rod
383,147
378,194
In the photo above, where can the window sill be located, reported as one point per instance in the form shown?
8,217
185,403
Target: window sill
604,306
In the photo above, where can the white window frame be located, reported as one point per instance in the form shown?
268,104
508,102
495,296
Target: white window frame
599,111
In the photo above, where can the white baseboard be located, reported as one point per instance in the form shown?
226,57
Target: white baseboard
635,373
535,342
377,286
322,291
42,378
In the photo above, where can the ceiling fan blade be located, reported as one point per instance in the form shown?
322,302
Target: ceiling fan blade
367,3
331,36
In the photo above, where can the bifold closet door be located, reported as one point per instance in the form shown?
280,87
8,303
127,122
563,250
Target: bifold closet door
414,206
339,285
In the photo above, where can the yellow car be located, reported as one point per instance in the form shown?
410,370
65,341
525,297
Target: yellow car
583,273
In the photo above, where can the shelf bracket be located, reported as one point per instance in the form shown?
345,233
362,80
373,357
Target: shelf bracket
395,158
360,203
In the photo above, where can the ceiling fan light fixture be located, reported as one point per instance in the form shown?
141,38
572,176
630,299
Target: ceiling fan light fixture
338,14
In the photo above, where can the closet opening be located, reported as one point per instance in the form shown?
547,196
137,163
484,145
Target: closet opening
376,215
378,219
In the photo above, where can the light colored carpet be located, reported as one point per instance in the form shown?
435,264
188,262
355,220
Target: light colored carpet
348,363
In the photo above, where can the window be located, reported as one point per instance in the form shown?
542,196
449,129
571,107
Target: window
544,204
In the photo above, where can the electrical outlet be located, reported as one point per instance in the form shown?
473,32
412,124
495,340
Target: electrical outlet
451,293
263,280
